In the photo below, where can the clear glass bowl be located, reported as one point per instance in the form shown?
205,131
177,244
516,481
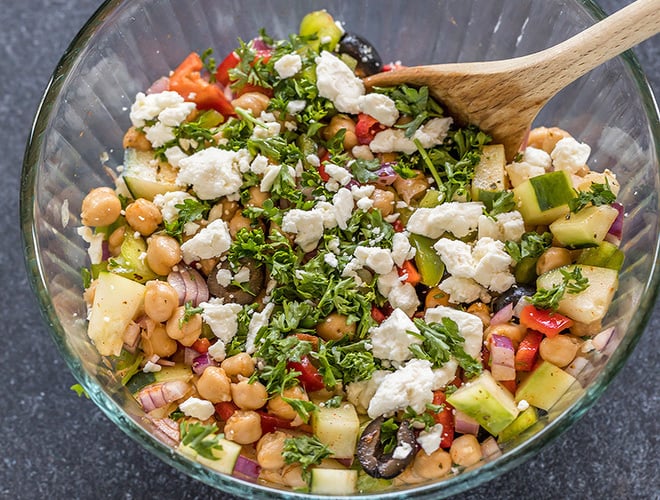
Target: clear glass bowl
128,44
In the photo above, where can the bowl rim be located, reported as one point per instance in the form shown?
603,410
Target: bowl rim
460,483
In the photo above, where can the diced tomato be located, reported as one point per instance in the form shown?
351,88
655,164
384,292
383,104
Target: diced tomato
201,345
409,270
510,385
366,128
398,226
392,66
547,322
528,350
187,81
444,417
309,377
323,174
270,423
225,409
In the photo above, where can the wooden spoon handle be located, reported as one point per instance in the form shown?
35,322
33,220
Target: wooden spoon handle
585,51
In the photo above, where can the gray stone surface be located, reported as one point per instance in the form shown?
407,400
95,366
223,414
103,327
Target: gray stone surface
55,445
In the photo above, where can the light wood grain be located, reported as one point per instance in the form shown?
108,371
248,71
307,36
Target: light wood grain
503,97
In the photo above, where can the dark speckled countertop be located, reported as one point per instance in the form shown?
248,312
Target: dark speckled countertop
55,445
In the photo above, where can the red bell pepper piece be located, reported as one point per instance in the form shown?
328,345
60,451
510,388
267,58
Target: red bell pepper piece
545,321
323,174
309,377
270,423
398,226
222,71
366,128
312,339
187,81
510,385
231,61
201,345
377,315
444,417
409,270
527,351
225,409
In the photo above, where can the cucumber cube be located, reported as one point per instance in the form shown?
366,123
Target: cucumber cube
586,228
338,429
544,386
334,481
544,198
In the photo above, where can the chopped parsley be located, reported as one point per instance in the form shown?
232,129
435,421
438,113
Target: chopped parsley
531,245
188,312
388,438
572,282
201,438
414,103
598,194
305,450
190,210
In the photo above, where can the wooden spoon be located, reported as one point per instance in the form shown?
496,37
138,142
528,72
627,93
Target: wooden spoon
504,97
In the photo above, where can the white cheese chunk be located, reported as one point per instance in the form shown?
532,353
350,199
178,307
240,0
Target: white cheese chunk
570,155
288,65
508,226
458,218
211,241
167,204
377,259
401,248
410,385
257,322
390,339
212,173
307,225
222,318
380,107
200,409
337,82
430,440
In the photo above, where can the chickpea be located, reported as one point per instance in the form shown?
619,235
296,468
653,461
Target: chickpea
432,466
559,350
101,207
383,201
187,332
163,253
335,327
546,138
243,427
160,300
410,189
115,240
280,408
156,341
136,139
257,197
408,476
143,216
292,476
552,258
255,102
465,450
337,123
510,330
239,364
481,310
206,266
249,396
269,450
214,385
237,223
436,297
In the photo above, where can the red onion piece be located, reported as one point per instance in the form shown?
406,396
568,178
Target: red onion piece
105,250
167,430
603,338
386,174
189,284
616,229
502,316
258,44
490,448
131,336
465,424
246,467
201,362
166,362
576,366
160,85
346,462
502,357
160,394
189,356
520,305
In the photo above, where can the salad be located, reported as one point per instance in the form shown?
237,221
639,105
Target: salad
334,290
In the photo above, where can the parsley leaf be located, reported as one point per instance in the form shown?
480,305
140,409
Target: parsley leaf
188,312
303,408
364,170
598,194
425,418
500,202
209,63
531,245
201,438
190,210
440,341
250,70
414,103
572,282
305,450
388,438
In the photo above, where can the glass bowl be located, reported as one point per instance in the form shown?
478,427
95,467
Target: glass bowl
127,44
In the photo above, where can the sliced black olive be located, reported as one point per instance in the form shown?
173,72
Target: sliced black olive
370,452
368,60
512,296
248,291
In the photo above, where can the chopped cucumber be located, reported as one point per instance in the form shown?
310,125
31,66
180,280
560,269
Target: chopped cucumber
131,261
544,386
225,459
544,198
166,374
338,429
606,254
524,421
334,481
116,302
487,402
591,304
145,176
586,228
489,173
